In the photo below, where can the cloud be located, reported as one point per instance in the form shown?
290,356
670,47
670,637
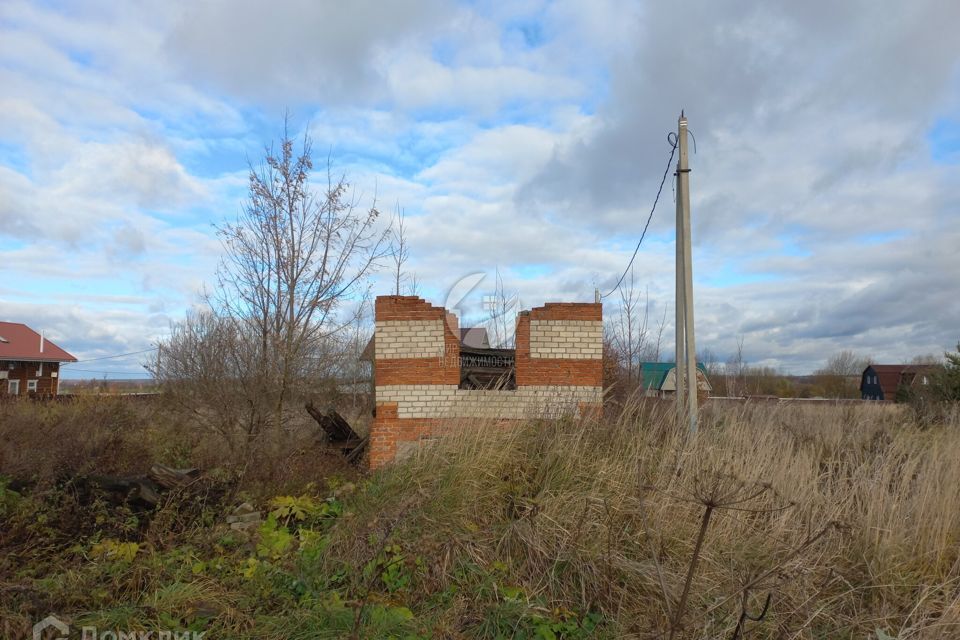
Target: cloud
93,333
291,52
810,123
418,82
493,159
360,53
94,184
527,137
141,173
747,71
13,205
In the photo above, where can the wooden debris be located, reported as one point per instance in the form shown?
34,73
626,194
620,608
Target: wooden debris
487,368
333,424
144,490
170,478
338,432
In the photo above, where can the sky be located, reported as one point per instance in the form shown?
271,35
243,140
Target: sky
524,138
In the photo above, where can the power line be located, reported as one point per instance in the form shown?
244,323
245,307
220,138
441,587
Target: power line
672,139
115,373
119,355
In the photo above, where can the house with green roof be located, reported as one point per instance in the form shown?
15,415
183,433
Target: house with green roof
660,378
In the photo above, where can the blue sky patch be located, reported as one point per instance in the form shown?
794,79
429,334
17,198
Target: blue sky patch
944,141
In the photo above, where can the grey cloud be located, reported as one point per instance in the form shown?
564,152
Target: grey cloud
743,70
892,300
299,51
811,123
128,241
367,53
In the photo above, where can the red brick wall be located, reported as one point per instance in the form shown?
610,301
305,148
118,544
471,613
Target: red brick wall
389,429
406,308
556,371
416,371
434,370
568,311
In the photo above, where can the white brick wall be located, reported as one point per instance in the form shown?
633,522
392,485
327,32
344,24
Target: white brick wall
447,401
579,339
409,339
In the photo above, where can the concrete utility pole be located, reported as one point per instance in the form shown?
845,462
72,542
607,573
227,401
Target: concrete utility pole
679,361
686,360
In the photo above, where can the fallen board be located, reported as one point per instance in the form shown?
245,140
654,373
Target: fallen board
145,490
339,432
332,423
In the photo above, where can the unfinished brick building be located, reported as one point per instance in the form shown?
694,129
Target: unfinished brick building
421,380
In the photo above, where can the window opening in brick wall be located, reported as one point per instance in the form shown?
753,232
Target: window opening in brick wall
487,368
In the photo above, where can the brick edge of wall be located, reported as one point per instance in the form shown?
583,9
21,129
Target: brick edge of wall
388,429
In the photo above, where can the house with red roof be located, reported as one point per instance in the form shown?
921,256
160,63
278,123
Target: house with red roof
882,381
29,363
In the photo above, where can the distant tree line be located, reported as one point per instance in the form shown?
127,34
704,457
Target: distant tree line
631,339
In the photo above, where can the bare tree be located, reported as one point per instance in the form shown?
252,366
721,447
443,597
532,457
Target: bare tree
926,358
630,330
355,370
710,362
503,308
204,364
399,251
660,327
845,363
293,260
736,370
413,286
839,378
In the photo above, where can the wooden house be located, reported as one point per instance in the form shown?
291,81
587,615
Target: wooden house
29,363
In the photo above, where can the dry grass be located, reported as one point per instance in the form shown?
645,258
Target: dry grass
42,444
846,516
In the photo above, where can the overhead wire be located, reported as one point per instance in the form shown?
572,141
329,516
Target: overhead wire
110,357
119,355
673,141
115,373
